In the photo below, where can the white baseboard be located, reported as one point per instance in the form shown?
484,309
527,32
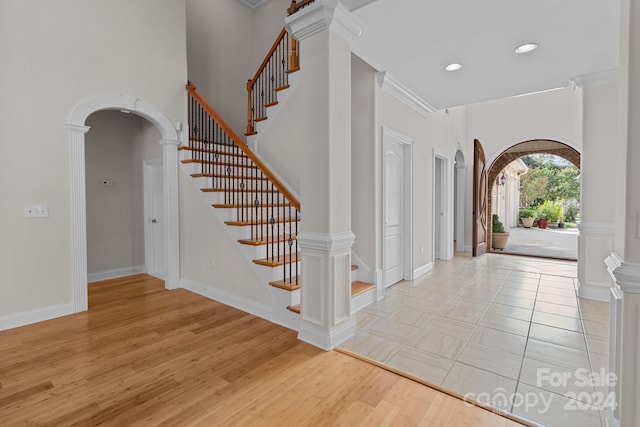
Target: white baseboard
28,317
324,339
421,271
595,292
230,300
115,273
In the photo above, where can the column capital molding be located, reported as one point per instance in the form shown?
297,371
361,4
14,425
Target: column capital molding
625,274
77,128
391,85
326,241
605,228
322,15
173,142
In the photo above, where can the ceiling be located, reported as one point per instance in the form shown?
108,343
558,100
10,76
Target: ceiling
413,40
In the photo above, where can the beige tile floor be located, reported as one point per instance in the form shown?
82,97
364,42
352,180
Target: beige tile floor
507,331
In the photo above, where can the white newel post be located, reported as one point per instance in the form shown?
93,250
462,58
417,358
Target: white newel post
624,263
326,31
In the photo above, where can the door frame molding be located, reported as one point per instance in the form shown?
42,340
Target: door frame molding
148,241
446,242
407,202
459,191
76,130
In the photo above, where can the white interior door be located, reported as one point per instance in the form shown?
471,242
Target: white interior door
154,216
394,215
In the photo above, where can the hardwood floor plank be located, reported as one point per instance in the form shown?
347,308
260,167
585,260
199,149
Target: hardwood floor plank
146,356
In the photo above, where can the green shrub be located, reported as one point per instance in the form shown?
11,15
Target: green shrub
549,210
571,213
497,225
527,213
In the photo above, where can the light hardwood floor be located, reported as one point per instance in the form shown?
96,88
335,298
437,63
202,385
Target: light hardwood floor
143,355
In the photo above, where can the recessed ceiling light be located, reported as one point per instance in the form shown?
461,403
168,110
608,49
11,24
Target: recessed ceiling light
525,48
453,67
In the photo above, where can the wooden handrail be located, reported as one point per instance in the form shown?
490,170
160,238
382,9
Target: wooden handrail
295,6
243,146
252,82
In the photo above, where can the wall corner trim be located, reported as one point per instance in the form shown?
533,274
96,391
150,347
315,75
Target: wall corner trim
390,84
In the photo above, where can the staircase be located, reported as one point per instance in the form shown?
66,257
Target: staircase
260,213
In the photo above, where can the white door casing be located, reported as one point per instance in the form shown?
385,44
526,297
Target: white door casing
442,205
397,221
154,221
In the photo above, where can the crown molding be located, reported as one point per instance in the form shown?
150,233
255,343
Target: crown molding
322,15
389,84
601,78
253,4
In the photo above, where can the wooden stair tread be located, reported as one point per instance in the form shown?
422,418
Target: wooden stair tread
246,205
258,242
225,176
294,308
283,87
286,285
278,261
270,104
207,151
354,267
216,163
358,287
261,119
236,190
263,222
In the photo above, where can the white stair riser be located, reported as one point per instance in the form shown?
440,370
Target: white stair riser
260,252
259,214
275,274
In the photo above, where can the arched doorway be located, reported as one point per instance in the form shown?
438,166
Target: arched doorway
517,151
76,130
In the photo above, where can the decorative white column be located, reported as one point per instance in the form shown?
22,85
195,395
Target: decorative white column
625,263
171,212
78,216
325,31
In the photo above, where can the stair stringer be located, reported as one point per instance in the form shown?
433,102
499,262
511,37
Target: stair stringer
280,298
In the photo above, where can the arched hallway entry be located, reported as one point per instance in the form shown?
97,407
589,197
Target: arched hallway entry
76,130
536,146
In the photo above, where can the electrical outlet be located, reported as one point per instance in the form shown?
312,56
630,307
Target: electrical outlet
36,211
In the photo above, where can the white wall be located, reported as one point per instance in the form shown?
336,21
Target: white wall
226,42
55,55
365,194
220,54
208,255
